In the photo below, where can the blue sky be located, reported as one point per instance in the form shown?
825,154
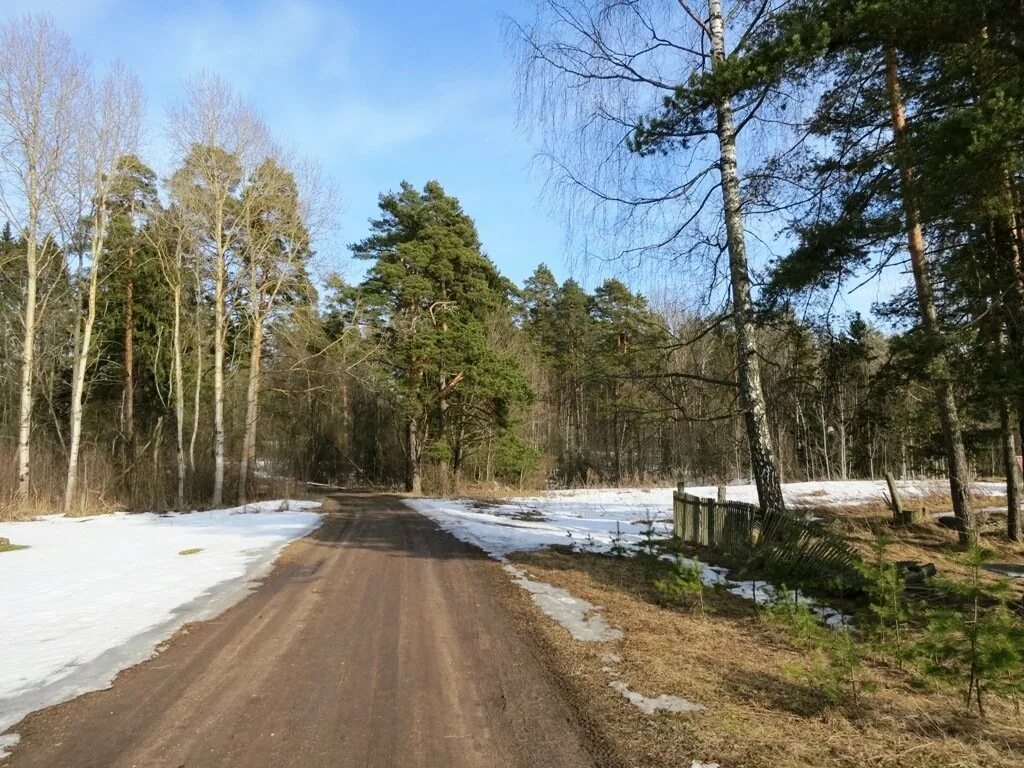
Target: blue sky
377,92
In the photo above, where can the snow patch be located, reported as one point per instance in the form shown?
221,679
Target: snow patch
7,743
649,706
91,596
593,520
583,620
845,493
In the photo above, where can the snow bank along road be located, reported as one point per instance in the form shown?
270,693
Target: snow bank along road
91,596
377,641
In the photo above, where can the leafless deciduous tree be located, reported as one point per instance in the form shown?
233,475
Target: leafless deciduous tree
219,141
279,204
591,72
40,83
107,129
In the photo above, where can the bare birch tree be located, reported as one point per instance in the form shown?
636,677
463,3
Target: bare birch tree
40,77
218,140
169,238
276,245
596,77
107,129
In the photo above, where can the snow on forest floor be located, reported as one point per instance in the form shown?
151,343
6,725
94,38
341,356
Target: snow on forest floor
598,520
595,518
88,597
847,493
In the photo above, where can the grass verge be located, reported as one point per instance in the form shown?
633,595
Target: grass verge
740,667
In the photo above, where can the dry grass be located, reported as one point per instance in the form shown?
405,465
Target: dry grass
927,542
105,487
734,663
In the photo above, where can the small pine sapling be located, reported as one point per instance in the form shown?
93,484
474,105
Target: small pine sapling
685,585
617,548
649,544
886,592
978,644
834,656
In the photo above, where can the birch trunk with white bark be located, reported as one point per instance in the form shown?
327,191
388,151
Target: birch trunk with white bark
762,456
81,363
252,402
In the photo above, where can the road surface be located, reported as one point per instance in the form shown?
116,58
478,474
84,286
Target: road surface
378,641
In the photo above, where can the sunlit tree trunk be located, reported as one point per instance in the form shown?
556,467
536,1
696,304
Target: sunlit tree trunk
762,456
219,340
179,400
198,389
82,358
252,399
129,362
938,372
28,361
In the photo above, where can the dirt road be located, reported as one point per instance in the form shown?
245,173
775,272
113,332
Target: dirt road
379,641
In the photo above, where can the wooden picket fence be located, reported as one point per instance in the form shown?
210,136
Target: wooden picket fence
728,526
785,547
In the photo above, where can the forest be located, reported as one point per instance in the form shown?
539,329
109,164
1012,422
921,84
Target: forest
660,403
172,337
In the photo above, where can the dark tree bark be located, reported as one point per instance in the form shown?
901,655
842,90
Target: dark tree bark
938,369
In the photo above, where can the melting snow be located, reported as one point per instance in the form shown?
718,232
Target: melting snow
662,703
582,619
594,520
7,743
91,596
845,493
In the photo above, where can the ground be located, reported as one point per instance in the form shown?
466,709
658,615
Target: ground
377,641
382,640
740,667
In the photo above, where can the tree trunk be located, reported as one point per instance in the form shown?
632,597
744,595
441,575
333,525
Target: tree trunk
413,482
179,402
956,455
219,339
28,365
824,442
197,394
1013,479
252,399
762,457
844,469
129,364
82,362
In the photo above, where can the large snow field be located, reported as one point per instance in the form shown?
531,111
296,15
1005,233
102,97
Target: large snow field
596,518
91,596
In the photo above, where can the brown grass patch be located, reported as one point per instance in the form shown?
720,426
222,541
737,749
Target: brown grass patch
734,663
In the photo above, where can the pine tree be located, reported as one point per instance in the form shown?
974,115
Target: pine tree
430,290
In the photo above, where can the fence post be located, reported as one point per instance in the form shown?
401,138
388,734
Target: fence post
684,514
897,504
695,521
718,513
704,508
